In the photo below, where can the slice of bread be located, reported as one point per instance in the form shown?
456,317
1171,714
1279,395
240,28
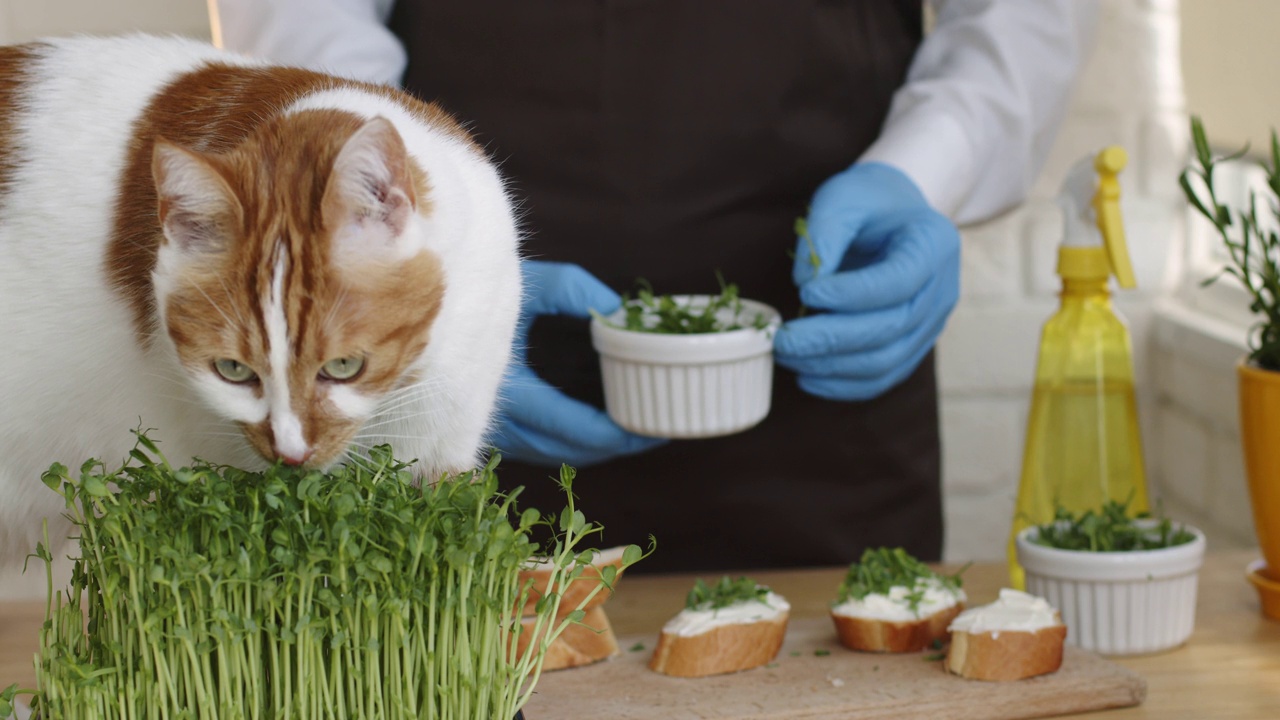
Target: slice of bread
583,643
573,595
722,649
1006,654
894,636
1017,636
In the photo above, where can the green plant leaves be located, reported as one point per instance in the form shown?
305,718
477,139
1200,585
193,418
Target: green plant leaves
1111,529
1251,242
207,591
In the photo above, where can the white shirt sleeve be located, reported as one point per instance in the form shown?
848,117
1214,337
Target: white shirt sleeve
343,37
983,99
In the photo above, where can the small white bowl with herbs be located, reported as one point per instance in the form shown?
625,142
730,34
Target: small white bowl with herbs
1124,585
687,366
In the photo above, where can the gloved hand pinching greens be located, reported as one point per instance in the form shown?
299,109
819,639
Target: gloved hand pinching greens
536,422
888,276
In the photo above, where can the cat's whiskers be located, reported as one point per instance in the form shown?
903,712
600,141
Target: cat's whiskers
414,394
367,430
333,310
227,290
395,437
216,306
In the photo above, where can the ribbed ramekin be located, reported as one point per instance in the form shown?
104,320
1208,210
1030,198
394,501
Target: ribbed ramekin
687,386
1118,603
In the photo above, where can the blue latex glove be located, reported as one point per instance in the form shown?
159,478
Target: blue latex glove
889,276
536,422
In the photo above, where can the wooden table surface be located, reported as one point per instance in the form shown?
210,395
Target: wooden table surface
1229,670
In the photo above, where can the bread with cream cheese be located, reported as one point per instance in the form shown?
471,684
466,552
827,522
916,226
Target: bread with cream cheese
894,636
891,602
1016,637
583,643
573,595
702,640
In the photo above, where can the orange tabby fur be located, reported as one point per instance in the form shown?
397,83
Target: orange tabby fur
327,306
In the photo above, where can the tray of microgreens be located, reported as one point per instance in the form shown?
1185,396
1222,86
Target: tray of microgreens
209,592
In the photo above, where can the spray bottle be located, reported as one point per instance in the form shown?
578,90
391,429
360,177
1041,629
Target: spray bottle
1083,443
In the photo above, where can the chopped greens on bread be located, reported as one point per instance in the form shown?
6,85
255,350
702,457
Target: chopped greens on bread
891,602
730,626
882,569
724,593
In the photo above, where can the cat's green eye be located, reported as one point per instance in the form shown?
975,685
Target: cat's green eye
342,368
234,371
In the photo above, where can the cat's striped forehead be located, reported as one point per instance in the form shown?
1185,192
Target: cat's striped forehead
216,109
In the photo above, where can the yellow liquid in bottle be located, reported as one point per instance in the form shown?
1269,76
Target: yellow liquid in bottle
1084,444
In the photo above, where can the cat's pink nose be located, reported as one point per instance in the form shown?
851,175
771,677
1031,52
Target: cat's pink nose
295,458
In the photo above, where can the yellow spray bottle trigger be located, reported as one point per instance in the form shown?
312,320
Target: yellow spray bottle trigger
1106,207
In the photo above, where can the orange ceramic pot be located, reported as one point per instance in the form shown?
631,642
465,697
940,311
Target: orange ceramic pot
1260,433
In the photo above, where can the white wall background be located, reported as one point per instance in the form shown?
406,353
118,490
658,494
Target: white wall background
1151,55
23,20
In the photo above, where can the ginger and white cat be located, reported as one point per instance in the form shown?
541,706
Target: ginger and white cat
257,262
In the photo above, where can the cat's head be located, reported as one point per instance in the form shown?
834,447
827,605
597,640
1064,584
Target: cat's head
294,279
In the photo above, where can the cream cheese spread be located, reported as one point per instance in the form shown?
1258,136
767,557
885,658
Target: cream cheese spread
1014,611
696,622
896,607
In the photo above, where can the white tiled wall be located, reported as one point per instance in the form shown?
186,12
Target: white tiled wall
1130,93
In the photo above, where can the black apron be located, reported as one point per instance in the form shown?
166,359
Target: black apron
668,140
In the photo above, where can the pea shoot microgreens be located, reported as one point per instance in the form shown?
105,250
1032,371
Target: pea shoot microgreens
653,313
882,569
1112,529
208,592
724,593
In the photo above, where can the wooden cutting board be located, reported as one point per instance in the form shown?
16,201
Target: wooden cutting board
814,677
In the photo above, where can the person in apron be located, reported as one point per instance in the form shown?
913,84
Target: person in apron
670,140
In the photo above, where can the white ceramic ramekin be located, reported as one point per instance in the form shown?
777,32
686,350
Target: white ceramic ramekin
1118,603
687,386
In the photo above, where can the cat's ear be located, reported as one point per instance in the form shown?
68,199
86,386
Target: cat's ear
370,196
198,209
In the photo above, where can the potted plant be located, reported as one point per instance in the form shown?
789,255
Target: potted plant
1249,234
1124,585
687,366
